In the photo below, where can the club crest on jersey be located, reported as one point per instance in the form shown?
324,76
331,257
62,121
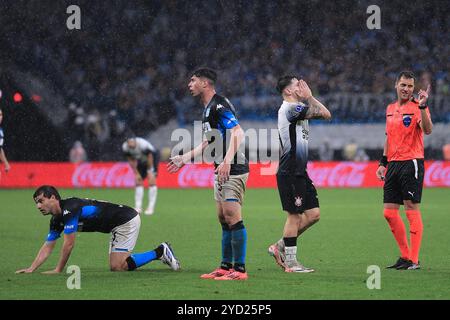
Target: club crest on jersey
299,108
298,201
406,120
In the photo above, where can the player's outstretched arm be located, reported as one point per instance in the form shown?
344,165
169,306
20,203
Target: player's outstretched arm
4,160
45,251
66,250
177,162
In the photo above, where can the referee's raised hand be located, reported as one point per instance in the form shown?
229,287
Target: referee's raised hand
423,96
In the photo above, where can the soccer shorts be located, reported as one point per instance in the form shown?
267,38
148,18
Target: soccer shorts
404,181
231,190
124,237
143,166
297,193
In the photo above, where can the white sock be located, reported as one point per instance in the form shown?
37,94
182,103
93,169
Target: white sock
152,194
138,196
291,253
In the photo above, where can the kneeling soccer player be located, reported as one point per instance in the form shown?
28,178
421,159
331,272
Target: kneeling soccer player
86,215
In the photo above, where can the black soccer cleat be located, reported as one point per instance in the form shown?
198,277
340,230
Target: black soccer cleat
406,265
399,262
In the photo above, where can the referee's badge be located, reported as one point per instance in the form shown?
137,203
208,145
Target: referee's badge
407,120
298,201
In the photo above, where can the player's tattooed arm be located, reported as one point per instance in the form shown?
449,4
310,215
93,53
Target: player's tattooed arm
317,110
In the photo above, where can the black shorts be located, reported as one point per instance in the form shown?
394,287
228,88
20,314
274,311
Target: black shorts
404,181
142,166
297,193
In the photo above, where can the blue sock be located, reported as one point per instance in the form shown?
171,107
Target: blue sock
227,249
239,244
143,258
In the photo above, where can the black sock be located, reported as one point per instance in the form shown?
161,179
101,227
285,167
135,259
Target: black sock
131,264
159,252
290,242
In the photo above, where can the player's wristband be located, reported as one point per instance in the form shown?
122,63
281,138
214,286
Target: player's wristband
423,107
383,161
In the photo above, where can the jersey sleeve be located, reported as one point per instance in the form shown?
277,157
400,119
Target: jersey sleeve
2,140
226,117
125,151
71,214
56,227
147,147
296,111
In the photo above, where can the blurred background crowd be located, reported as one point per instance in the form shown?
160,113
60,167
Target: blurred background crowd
127,69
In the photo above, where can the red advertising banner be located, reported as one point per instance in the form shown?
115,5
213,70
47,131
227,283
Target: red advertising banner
120,175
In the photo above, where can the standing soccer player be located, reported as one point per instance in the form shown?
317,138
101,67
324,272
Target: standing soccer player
406,122
2,152
143,158
232,170
297,192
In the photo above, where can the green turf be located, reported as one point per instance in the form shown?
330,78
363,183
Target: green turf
351,235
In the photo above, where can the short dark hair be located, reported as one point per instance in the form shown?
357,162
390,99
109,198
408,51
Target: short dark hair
207,73
406,74
47,191
284,81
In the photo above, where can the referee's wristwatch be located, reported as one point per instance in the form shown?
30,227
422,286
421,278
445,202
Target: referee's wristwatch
423,107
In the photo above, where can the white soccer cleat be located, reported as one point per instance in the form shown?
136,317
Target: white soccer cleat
295,266
149,211
276,251
169,258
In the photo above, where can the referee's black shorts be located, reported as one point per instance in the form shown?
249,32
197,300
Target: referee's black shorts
297,193
404,181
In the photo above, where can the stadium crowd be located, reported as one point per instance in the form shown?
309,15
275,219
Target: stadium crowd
127,68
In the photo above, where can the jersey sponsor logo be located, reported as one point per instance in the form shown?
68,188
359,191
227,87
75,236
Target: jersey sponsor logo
206,127
69,227
298,201
407,120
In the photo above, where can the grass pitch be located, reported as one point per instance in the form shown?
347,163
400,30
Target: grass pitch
351,235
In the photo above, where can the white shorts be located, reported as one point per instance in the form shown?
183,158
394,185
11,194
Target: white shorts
124,237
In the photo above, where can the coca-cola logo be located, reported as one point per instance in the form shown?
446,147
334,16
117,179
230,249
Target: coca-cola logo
344,174
117,175
196,176
437,175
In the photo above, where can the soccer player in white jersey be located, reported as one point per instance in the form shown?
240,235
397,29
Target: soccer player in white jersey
143,158
2,153
297,192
